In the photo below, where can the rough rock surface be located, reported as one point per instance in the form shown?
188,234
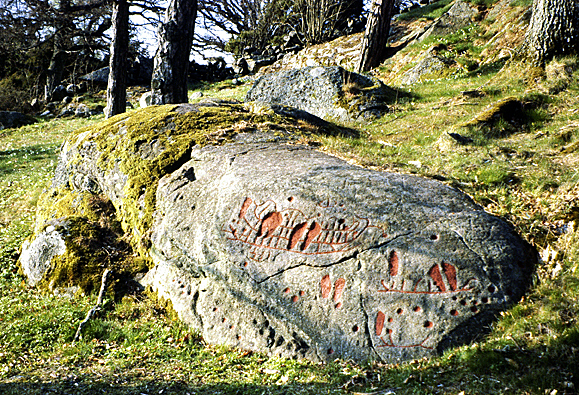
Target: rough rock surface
145,100
343,51
265,244
460,15
37,254
431,67
13,119
331,93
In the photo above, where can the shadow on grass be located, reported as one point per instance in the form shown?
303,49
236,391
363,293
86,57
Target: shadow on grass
429,12
491,68
120,385
11,160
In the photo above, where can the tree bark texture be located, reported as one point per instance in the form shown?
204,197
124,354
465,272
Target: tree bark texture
374,43
118,65
553,30
171,64
58,59
56,66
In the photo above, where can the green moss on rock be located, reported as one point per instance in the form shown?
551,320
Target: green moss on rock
93,239
151,142
143,145
500,119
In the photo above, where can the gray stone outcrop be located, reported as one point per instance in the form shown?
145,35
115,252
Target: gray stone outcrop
37,255
460,15
265,244
331,93
343,51
14,119
431,66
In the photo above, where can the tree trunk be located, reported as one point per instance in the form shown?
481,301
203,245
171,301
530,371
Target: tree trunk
58,59
175,36
56,66
553,30
117,85
375,39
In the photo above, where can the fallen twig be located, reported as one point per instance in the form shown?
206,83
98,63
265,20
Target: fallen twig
96,308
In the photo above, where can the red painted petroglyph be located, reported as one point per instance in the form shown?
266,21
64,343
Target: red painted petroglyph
244,208
389,342
393,264
313,232
296,235
436,281
434,273
266,229
339,289
380,323
450,273
326,286
269,225
326,289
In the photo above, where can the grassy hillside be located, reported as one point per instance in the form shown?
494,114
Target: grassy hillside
523,169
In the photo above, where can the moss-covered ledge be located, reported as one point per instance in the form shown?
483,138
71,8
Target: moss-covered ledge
103,198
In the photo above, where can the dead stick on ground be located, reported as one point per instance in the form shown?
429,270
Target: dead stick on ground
96,308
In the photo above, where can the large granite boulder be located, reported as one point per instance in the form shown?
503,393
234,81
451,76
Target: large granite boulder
14,119
331,93
264,243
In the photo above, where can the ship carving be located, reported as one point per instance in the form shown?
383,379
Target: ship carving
266,229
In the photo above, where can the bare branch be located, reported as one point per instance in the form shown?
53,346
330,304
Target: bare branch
97,307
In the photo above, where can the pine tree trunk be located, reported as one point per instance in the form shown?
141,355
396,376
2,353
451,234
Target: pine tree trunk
553,30
375,39
171,64
117,85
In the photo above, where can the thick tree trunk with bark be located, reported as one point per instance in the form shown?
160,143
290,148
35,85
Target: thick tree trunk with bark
554,29
175,36
117,85
375,39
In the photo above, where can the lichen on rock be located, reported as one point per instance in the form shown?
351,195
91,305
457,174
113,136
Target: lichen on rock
325,92
101,204
259,241
78,235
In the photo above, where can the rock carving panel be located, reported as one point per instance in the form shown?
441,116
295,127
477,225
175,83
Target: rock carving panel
326,289
255,247
401,312
438,282
266,229
385,334
398,326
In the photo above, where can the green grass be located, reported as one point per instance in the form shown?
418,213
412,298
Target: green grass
133,346
528,176
224,90
429,12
